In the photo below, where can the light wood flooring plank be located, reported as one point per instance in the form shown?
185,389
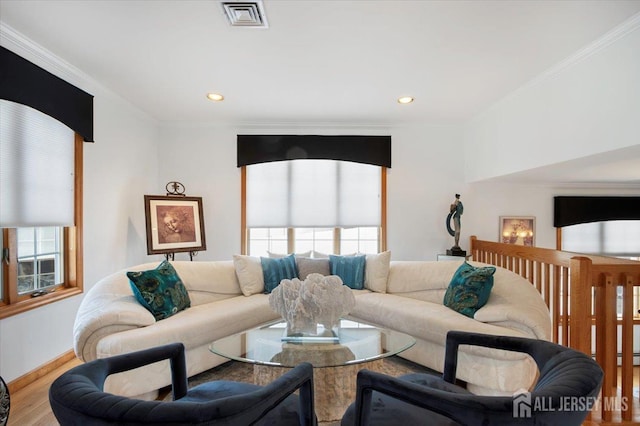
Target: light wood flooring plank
30,405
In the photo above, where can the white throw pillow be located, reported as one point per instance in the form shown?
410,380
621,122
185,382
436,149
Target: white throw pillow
249,272
376,271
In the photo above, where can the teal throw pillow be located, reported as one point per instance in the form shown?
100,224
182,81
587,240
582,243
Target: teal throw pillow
277,269
350,269
160,290
469,289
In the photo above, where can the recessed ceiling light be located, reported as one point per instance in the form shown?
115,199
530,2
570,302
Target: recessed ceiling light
405,100
215,97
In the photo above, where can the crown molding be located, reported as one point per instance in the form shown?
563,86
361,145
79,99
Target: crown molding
21,45
28,49
627,27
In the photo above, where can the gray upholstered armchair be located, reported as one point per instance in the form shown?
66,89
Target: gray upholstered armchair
567,379
77,396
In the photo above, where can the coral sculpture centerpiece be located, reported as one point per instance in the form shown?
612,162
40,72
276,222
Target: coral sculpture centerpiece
312,308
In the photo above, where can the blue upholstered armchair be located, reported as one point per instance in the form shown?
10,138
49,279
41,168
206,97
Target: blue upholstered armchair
567,386
77,396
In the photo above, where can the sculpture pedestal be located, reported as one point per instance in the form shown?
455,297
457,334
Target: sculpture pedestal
456,251
334,387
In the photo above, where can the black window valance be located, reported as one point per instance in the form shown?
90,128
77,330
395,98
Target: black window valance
254,149
26,83
570,210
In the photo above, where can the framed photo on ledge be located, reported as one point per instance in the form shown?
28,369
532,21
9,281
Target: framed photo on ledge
519,230
174,224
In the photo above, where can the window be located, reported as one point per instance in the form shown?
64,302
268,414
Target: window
359,240
615,238
323,205
318,239
40,265
43,122
262,240
39,259
323,240
41,245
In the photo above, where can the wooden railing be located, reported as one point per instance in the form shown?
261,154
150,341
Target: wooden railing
581,292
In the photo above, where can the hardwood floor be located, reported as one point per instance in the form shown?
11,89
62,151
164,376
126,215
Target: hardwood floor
30,405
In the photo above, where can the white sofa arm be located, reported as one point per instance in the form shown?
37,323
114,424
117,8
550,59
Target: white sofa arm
515,303
108,307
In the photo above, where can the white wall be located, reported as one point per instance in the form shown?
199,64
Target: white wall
587,105
422,182
119,168
487,201
426,174
203,159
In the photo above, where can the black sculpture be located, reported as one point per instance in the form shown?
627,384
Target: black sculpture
455,211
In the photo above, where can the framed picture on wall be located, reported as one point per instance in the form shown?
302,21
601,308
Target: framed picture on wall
174,224
519,230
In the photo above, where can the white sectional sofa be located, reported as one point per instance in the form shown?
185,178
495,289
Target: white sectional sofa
110,321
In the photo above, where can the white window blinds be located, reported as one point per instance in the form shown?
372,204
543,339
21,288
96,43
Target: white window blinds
313,193
36,168
612,238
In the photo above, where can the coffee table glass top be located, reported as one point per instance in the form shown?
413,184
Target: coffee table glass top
359,342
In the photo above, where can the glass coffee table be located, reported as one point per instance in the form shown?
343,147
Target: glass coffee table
335,364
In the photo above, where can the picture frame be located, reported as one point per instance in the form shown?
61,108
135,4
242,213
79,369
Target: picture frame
174,224
518,230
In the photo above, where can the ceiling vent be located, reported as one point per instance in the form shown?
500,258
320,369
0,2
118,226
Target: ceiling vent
245,14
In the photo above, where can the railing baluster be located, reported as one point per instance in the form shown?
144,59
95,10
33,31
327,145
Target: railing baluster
565,306
610,351
556,303
547,284
627,344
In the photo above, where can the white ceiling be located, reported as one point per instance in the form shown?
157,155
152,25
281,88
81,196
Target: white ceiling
327,61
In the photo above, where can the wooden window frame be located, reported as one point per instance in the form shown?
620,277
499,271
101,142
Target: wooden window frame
13,303
244,231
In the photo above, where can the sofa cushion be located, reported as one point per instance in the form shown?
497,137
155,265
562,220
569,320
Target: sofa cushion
275,270
216,278
376,271
249,273
427,321
197,326
408,276
350,269
160,290
469,289
307,265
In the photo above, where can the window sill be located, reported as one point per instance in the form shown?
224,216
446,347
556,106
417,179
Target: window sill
37,302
